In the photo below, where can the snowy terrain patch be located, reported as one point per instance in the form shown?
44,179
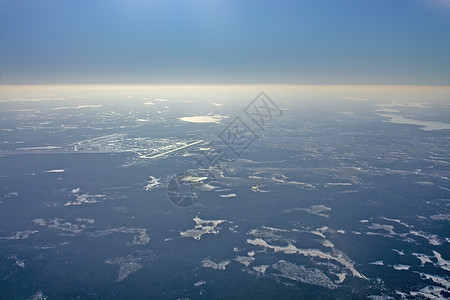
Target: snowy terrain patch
291,249
228,195
302,274
20,235
202,227
207,263
83,198
245,260
424,125
140,235
152,183
131,263
55,171
203,119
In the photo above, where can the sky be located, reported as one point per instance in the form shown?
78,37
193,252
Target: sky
388,42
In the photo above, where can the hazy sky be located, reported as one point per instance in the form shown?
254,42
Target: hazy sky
225,41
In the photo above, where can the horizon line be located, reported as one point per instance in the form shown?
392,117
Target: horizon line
220,84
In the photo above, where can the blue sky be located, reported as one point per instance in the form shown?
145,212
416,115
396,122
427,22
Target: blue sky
225,41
